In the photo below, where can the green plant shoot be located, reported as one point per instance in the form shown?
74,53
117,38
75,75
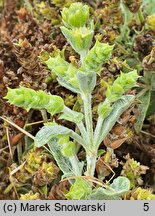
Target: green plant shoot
62,141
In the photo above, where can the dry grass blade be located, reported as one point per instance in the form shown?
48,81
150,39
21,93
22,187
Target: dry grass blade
149,134
9,144
17,169
90,180
1,150
19,128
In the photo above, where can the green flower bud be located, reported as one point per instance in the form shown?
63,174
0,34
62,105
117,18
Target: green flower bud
79,190
76,15
121,85
31,99
80,39
58,65
104,109
64,70
69,149
55,105
151,22
113,95
97,56
127,80
117,88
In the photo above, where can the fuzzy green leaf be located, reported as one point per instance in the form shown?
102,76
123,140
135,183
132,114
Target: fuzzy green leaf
58,65
79,190
118,108
67,85
68,149
63,162
80,39
71,115
119,187
142,108
87,82
66,73
127,80
46,133
114,92
61,67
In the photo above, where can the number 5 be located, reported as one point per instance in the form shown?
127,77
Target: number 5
146,207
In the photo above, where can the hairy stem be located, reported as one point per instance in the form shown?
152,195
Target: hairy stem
91,164
82,55
44,115
88,118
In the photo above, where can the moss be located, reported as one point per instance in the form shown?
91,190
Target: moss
140,194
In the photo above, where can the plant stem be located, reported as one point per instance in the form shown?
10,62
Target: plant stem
91,164
88,118
82,55
44,115
74,161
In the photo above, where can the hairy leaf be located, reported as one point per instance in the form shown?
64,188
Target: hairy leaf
119,187
87,82
71,115
118,108
104,109
67,85
68,149
142,108
46,133
80,38
58,65
63,162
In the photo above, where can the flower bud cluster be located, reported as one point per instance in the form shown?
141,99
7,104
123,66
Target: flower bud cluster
31,99
97,56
